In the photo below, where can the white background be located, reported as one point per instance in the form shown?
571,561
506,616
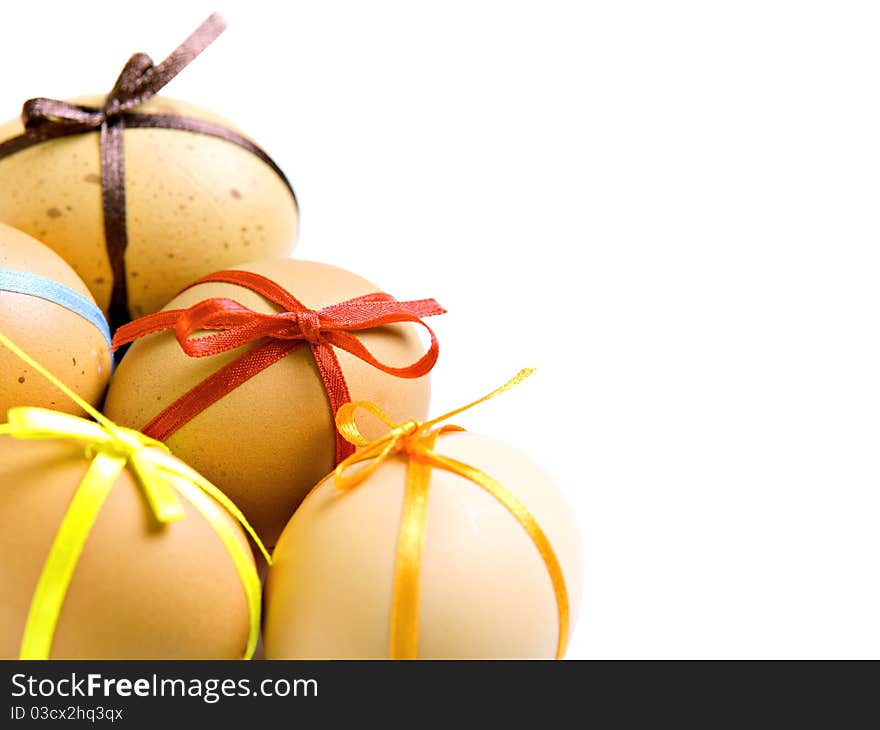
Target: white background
669,208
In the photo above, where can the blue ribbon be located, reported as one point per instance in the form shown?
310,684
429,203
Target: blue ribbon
23,282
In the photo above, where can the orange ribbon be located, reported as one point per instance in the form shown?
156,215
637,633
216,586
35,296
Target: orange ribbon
416,440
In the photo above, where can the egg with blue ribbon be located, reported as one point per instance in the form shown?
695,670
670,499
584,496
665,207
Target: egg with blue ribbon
46,306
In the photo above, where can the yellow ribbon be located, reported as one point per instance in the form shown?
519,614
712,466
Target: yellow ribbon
416,440
162,479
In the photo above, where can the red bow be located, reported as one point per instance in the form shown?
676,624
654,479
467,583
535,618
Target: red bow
236,325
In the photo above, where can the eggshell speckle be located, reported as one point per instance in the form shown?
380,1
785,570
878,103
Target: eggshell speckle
67,344
194,204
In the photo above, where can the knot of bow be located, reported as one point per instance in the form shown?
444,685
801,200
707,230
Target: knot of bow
111,446
240,326
235,325
140,79
413,438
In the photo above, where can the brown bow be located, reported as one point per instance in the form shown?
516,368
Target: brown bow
139,80
46,119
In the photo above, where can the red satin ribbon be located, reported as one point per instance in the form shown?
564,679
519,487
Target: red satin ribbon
274,336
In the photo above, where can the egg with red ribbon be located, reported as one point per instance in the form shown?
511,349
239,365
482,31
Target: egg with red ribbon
241,375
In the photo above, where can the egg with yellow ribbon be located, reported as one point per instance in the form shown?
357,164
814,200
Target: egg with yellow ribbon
110,548
431,543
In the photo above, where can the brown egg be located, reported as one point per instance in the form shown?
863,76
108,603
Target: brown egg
195,204
65,342
139,590
485,591
266,443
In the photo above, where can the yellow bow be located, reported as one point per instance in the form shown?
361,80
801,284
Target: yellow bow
162,479
416,440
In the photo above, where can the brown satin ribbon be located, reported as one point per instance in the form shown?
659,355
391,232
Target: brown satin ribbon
46,119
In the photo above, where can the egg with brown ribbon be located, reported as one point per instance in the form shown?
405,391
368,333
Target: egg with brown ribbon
142,194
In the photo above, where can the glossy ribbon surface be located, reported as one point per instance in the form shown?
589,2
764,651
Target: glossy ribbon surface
415,440
161,477
24,282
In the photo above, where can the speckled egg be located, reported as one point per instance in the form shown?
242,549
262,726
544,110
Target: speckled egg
65,342
266,443
195,204
139,590
485,592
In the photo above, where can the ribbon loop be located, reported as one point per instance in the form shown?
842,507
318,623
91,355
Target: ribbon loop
124,95
40,423
138,81
48,118
115,442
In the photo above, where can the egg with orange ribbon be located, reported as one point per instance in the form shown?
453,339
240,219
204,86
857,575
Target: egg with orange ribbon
429,543
241,375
